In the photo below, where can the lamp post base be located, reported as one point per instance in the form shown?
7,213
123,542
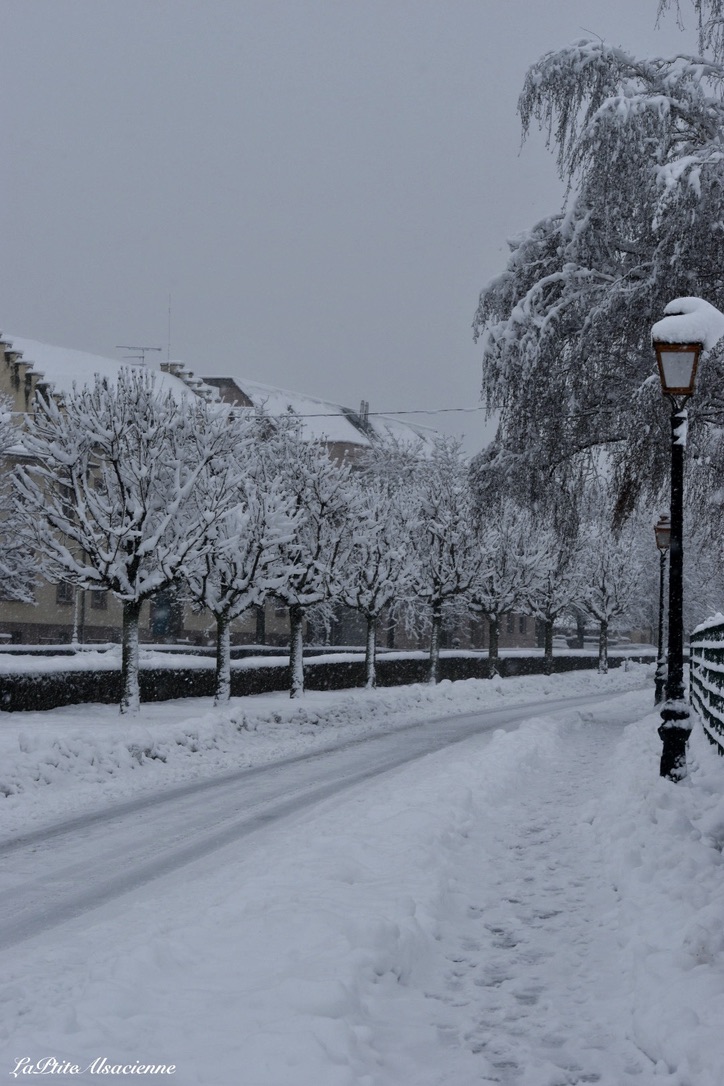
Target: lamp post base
674,733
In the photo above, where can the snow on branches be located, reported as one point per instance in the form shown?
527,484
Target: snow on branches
565,329
242,563
124,490
710,14
315,557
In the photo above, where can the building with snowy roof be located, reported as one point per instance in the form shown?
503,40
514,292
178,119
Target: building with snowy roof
64,613
345,432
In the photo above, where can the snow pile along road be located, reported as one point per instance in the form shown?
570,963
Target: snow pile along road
65,760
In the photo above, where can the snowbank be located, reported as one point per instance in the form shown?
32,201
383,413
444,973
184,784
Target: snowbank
664,844
65,759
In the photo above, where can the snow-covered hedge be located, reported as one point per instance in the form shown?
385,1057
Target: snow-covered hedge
38,684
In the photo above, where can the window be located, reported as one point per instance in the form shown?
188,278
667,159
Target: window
64,593
522,624
511,624
99,599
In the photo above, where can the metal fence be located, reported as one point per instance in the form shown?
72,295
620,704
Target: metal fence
706,687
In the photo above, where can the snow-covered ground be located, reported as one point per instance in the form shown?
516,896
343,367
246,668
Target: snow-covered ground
531,906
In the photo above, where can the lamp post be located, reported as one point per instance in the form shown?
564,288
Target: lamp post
662,531
677,369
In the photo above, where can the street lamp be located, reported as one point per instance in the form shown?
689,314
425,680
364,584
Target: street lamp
662,531
677,370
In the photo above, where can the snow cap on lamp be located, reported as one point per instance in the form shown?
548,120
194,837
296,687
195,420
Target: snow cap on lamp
690,320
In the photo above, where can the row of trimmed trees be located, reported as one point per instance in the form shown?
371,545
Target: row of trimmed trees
131,491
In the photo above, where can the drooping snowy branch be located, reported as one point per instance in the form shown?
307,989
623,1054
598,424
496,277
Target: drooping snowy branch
566,328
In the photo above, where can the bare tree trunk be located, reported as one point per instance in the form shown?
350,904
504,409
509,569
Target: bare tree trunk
79,616
370,652
435,642
222,684
390,631
130,689
260,634
603,648
493,646
296,651
548,646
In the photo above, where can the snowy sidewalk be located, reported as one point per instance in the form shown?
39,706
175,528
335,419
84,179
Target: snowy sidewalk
534,977
583,933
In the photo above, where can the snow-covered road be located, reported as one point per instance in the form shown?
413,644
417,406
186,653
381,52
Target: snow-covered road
529,906
65,869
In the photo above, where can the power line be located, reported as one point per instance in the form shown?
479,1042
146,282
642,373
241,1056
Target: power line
342,414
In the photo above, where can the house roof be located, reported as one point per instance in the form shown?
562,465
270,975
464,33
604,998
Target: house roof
322,420
62,367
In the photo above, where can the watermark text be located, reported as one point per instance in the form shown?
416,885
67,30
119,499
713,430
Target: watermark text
49,1065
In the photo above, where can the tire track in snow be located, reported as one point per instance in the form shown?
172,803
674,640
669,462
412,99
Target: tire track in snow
54,874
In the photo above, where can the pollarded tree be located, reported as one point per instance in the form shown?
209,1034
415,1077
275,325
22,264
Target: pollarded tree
378,569
447,554
565,329
613,566
111,494
514,560
311,564
241,567
560,587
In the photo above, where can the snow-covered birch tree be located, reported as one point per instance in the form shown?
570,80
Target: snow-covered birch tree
565,328
111,492
710,14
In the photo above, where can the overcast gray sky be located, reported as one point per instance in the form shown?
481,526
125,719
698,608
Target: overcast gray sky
321,186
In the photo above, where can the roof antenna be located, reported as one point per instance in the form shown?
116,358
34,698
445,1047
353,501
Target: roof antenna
142,351
168,338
